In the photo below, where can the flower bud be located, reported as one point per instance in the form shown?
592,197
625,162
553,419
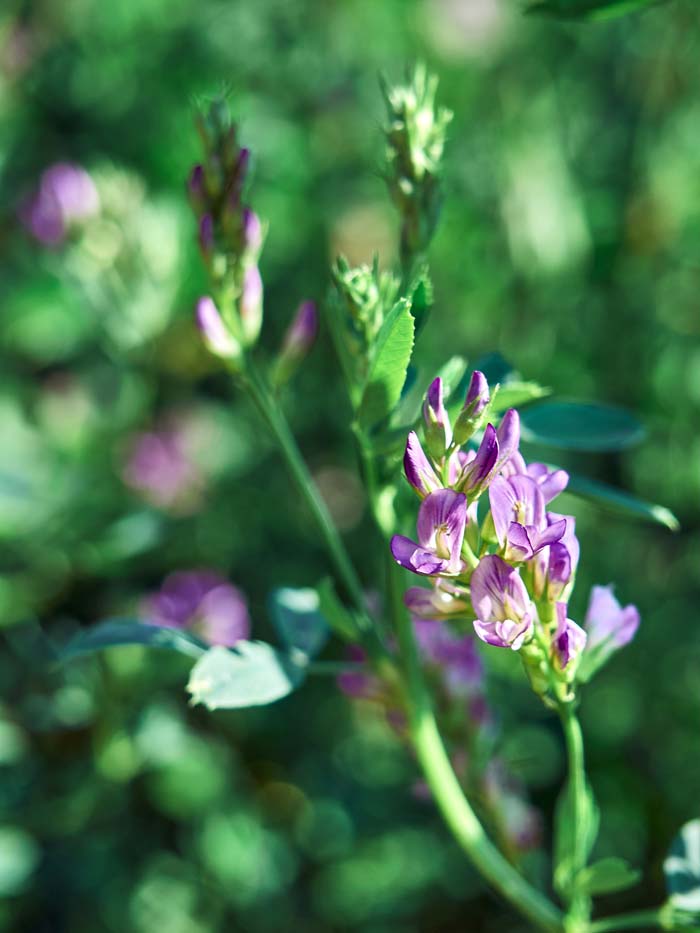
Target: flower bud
438,430
252,233
196,190
216,336
297,342
251,305
206,237
473,409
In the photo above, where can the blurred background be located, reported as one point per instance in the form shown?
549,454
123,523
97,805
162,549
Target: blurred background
570,242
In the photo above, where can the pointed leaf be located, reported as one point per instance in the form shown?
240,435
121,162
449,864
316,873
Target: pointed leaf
581,426
298,619
606,876
516,393
420,294
567,823
682,868
589,9
387,374
251,674
621,502
115,632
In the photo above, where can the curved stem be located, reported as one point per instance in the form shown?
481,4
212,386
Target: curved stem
446,790
640,920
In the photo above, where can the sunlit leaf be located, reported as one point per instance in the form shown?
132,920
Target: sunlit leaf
116,632
589,9
606,876
621,502
298,619
387,374
251,674
516,393
581,426
682,868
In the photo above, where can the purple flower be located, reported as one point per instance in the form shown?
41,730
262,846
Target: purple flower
502,606
215,333
550,482
454,654
508,436
160,467
442,599
555,566
418,469
252,232
251,304
438,430
475,403
609,626
569,638
442,519
203,602
66,195
517,508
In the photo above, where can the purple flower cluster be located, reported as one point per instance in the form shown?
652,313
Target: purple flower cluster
202,602
512,573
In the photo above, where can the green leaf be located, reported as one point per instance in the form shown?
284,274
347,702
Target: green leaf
19,856
334,612
298,619
252,673
516,393
589,9
392,354
568,821
581,426
606,876
682,868
115,632
621,502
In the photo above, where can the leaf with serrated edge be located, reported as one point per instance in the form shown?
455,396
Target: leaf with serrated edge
390,360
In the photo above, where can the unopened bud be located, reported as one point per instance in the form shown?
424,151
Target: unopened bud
251,305
297,342
475,404
252,233
196,190
216,336
438,430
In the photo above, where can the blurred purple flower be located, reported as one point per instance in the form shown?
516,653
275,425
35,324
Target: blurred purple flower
216,335
454,654
66,195
203,602
160,467
442,599
359,684
609,626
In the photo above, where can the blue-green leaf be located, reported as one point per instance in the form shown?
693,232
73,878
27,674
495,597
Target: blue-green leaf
387,374
115,632
581,426
251,674
682,868
621,502
607,875
340,619
589,9
298,619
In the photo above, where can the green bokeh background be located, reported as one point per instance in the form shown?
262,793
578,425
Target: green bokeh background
570,242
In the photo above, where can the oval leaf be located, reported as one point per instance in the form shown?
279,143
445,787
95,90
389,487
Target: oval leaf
251,674
516,393
682,868
298,619
387,374
621,502
606,876
115,632
581,426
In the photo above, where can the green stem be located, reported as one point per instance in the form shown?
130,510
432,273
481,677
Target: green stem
579,907
268,407
641,920
447,792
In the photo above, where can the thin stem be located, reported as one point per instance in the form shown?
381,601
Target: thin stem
306,486
446,790
579,907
